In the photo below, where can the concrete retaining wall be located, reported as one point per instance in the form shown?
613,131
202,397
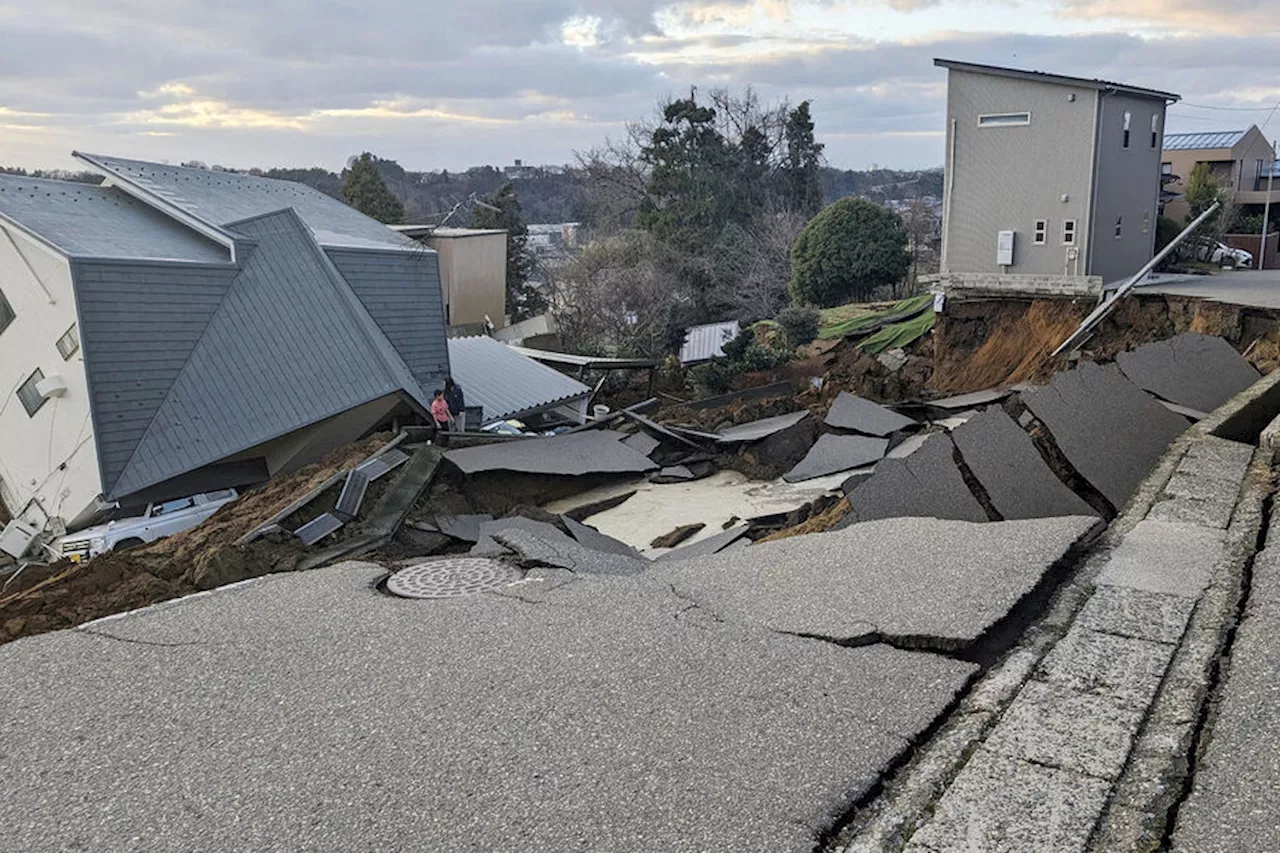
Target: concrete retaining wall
996,284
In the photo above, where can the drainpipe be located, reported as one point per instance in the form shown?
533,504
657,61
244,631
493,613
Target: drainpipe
951,188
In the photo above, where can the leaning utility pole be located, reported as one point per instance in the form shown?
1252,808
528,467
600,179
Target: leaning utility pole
1266,211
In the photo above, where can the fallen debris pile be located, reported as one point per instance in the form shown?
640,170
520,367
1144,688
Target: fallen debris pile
65,594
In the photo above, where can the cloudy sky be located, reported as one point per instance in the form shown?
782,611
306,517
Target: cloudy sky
438,84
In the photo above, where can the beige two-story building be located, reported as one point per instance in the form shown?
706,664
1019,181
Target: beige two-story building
1239,160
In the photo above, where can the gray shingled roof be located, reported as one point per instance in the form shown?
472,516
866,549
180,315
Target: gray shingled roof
82,220
220,198
1203,139
506,383
288,346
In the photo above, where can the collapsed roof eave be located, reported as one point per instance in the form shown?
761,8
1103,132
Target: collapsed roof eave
207,229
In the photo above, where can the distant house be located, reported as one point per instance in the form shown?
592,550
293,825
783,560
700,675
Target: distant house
473,272
1049,175
1239,160
179,330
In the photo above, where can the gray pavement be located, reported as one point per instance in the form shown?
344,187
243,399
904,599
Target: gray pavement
567,712
1257,288
1233,800
941,582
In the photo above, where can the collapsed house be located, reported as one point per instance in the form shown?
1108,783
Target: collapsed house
178,330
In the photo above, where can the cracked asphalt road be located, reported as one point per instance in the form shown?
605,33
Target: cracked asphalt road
312,712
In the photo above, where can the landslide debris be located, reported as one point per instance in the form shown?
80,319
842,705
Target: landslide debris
66,594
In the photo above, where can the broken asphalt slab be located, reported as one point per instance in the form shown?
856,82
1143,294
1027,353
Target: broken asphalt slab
576,454
940,583
487,546
588,537
928,483
705,547
1110,431
464,527
1191,369
1005,461
761,429
861,415
587,720
531,547
642,443
834,453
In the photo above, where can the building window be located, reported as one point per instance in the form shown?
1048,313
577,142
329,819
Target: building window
1155,130
1146,221
69,344
1128,119
6,312
31,399
1166,168
1042,232
1004,119
1119,227
1069,232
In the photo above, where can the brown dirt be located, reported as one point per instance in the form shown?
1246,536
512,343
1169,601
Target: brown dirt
204,557
984,344
980,345
851,369
820,523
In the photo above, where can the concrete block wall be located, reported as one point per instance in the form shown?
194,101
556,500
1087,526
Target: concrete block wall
988,284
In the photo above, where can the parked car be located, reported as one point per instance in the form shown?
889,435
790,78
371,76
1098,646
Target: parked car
160,520
1218,253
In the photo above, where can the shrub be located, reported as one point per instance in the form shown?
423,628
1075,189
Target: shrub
846,252
713,377
799,325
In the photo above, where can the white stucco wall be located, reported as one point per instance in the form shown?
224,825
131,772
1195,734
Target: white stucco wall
48,462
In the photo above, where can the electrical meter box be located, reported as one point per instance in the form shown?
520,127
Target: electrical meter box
1004,248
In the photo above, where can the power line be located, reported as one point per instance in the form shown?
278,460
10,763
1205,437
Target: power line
1224,109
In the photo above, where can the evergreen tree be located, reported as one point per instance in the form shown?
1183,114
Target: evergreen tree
524,299
802,166
364,190
691,192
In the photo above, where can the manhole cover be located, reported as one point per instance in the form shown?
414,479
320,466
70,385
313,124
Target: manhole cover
451,578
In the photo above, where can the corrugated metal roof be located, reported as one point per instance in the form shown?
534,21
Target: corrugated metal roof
506,383
705,342
590,362
288,346
83,220
221,198
1206,139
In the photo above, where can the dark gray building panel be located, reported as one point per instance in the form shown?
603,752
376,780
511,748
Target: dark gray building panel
287,348
1127,187
401,292
139,324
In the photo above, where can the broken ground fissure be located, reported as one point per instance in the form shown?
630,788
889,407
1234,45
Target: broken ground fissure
1218,675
